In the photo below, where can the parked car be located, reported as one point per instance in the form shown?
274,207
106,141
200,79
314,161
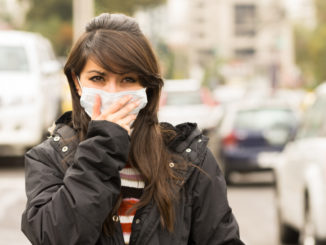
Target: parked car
30,90
186,101
249,130
301,180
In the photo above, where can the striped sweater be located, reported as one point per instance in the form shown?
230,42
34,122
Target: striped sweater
132,187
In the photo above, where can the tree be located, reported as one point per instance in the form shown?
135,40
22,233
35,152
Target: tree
45,9
53,19
128,7
310,48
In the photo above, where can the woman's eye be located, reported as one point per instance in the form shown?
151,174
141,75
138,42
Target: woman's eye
97,79
129,80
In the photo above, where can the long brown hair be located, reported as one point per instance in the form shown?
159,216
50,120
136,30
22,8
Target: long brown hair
115,42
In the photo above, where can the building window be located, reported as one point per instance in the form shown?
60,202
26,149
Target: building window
245,19
244,53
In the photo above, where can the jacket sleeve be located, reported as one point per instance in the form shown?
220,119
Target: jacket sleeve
212,218
70,208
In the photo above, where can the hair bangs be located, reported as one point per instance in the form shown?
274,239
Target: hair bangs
116,54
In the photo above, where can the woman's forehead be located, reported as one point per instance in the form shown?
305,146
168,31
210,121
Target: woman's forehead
92,66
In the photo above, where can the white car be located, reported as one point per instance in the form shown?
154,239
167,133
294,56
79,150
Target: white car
30,90
185,101
301,180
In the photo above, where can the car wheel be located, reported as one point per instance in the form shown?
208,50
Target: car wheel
320,242
225,171
308,233
287,234
307,236
227,175
227,179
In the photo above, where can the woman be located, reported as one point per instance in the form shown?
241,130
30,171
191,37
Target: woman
110,173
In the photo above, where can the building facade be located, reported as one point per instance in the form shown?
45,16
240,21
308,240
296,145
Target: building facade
12,13
252,38
248,39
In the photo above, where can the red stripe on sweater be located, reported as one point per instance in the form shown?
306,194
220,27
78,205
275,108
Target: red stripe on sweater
126,228
125,205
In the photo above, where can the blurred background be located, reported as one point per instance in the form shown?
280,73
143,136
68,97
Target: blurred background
250,73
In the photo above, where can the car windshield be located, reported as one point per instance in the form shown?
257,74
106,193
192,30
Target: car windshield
265,119
183,98
13,58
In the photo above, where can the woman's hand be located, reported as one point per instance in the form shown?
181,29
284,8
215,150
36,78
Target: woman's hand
117,112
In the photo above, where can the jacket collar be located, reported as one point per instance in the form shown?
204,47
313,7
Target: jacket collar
185,132
65,118
185,139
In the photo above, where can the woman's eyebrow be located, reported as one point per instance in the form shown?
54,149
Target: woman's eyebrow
98,72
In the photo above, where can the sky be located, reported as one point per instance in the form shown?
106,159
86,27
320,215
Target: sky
301,9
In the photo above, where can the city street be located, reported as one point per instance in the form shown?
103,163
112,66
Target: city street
250,74
253,206
12,201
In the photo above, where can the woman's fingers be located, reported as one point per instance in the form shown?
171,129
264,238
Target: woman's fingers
123,112
116,106
127,120
118,112
97,107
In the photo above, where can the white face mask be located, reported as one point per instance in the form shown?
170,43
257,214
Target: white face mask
87,98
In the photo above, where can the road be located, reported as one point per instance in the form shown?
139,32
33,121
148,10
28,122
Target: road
253,206
254,210
12,202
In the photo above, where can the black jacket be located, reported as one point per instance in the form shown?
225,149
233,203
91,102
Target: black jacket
69,206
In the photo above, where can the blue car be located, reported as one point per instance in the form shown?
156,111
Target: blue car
246,132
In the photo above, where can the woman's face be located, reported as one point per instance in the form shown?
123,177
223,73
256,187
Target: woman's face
94,76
